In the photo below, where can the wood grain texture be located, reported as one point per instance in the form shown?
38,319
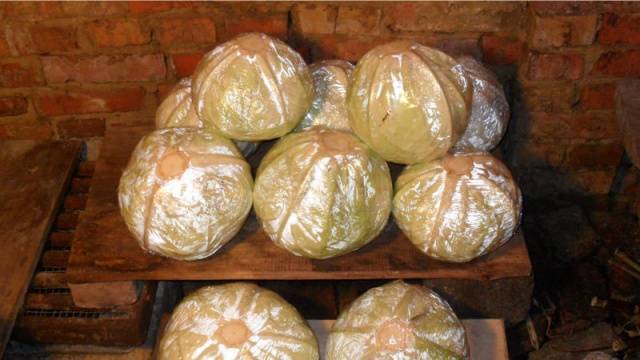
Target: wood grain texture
32,179
104,250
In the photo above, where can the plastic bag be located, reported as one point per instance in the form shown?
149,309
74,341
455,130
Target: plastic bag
252,87
322,193
409,102
329,107
489,116
237,321
177,110
185,192
459,207
397,321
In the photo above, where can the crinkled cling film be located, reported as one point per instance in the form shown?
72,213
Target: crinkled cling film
409,102
489,116
459,207
397,321
329,107
252,88
177,111
237,321
321,193
185,192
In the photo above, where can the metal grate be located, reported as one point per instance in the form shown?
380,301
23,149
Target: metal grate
84,314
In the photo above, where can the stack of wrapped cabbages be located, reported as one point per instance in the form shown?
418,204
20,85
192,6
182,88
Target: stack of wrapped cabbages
324,189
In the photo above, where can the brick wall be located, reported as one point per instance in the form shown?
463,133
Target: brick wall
72,70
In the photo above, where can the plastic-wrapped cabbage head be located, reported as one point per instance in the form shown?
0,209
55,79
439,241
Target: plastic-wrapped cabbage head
329,107
322,193
177,110
397,321
237,321
409,102
459,207
185,192
252,88
489,116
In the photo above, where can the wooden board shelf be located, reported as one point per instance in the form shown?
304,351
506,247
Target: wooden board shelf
104,250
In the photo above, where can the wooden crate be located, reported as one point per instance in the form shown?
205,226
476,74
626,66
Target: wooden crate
49,314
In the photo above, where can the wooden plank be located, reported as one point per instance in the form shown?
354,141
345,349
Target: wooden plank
104,250
60,239
486,337
49,280
32,179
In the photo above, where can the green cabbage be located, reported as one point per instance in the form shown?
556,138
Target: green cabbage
397,321
237,321
185,192
322,193
410,103
459,207
252,87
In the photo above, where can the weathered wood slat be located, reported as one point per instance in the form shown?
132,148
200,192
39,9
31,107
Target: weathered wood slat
59,239
104,250
55,259
32,179
49,280
49,301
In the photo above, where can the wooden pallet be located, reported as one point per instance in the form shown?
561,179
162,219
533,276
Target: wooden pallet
104,250
33,177
50,315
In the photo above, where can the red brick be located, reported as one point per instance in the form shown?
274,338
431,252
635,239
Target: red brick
593,181
593,155
101,69
4,47
44,9
460,46
598,96
620,30
117,33
82,101
555,66
185,64
80,128
39,131
563,7
549,32
13,105
349,48
94,8
314,18
531,153
560,31
500,50
276,26
163,91
358,20
552,126
20,73
48,39
623,63
550,98
181,31
141,7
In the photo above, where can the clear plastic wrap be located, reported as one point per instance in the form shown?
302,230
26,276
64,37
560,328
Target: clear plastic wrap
459,207
321,193
237,321
397,321
489,116
329,107
252,88
177,110
409,102
185,192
